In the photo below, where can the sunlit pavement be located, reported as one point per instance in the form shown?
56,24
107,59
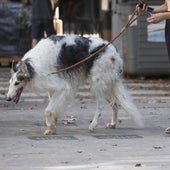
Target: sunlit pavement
23,145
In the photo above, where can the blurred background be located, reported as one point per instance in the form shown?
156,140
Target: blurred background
142,46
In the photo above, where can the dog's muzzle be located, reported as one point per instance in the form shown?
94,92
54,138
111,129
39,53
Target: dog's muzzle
16,98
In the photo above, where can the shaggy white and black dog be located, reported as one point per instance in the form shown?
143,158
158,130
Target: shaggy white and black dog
56,52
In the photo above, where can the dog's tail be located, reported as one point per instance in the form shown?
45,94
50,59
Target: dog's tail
125,100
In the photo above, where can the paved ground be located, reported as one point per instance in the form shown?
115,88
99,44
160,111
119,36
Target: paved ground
23,145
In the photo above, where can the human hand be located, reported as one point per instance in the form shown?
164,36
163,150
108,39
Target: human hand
141,7
155,18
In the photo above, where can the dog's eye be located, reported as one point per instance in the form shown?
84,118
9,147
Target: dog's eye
20,77
16,83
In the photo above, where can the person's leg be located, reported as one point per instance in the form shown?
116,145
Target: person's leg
167,36
36,32
49,27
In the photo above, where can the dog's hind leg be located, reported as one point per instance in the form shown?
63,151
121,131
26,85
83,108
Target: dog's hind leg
99,109
112,124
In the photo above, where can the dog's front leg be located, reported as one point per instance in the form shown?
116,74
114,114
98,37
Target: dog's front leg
56,107
51,113
50,122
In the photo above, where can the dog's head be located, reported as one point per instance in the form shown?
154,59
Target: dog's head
20,75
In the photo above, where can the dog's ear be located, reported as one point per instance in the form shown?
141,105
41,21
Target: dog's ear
14,67
23,67
23,71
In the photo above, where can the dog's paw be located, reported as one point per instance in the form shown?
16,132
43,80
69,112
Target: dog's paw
92,126
110,126
50,131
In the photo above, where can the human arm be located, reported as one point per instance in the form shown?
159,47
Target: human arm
161,8
143,7
158,14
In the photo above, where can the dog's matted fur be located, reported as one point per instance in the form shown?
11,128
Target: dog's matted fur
56,52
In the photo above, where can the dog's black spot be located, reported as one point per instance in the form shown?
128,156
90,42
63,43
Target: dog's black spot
71,54
56,38
82,43
113,60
